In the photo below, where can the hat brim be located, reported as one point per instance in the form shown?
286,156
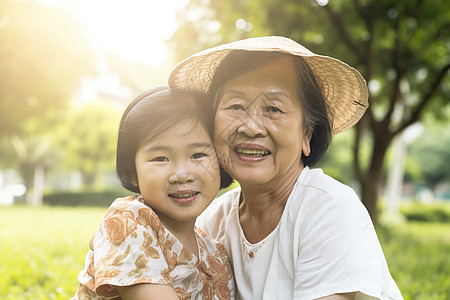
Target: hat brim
343,87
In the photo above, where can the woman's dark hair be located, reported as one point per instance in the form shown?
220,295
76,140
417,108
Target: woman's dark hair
316,113
150,115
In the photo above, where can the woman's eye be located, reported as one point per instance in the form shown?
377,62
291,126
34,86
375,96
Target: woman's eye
273,109
160,159
236,107
198,155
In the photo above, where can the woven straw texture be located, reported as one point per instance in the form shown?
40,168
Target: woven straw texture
344,88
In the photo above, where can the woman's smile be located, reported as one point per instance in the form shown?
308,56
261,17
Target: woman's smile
251,151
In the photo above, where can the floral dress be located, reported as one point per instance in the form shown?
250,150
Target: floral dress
131,246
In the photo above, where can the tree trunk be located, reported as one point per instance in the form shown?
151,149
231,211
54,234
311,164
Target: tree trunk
371,177
38,186
369,196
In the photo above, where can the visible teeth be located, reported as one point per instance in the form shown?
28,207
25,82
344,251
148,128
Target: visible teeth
255,153
183,195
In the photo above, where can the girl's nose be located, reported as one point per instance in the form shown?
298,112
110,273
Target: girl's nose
181,177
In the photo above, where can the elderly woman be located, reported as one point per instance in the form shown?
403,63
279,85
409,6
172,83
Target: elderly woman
291,231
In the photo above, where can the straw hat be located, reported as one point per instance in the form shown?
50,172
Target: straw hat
344,88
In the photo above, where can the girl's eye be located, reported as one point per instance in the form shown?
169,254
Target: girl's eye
160,159
198,155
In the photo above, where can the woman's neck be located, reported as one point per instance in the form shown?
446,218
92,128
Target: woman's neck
262,205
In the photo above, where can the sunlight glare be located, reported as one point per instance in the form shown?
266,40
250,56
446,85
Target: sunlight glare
135,30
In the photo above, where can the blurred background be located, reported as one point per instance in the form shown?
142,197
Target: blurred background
68,69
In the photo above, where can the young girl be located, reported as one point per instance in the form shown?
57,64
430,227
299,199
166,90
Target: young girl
147,246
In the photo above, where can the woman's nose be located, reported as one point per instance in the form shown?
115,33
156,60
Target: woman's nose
253,125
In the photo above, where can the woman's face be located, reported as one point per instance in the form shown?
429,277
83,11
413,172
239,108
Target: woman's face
259,133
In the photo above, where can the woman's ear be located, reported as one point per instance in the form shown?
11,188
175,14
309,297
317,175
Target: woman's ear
306,143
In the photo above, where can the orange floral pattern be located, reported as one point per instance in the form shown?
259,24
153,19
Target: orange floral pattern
131,246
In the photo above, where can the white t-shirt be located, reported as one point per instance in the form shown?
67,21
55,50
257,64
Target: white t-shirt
325,243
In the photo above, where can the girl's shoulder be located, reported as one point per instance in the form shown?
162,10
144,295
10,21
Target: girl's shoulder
133,208
208,244
125,203
214,256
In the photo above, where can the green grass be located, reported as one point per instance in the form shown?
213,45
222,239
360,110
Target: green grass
42,251
418,257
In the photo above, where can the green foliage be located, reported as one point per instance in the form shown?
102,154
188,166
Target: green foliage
431,150
91,145
337,161
84,198
417,255
136,75
7,154
233,185
44,54
43,250
30,152
420,212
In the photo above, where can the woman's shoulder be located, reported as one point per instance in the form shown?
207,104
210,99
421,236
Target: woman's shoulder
316,180
224,203
318,193
221,211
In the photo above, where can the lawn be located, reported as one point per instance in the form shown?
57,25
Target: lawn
43,249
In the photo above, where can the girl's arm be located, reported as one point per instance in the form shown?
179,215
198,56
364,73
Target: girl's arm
147,291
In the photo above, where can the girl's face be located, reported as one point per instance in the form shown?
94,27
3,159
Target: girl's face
178,173
258,130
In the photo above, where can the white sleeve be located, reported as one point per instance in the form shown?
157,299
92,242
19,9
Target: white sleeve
213,219
338,249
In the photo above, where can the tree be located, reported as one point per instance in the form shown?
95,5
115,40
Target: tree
135,75
400,47
431,151
43,56
91,145
34,155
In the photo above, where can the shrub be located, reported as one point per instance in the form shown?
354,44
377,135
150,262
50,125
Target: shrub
432,212
84,198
